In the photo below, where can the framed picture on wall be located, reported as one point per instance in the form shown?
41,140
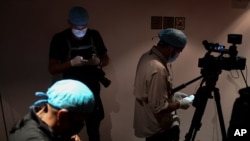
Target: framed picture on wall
156,22
168,22
180,23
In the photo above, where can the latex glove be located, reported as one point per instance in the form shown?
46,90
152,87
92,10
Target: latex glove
179,96
78,61
186,102
94,60
190,97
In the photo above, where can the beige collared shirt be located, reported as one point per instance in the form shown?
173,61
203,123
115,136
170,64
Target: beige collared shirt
151,90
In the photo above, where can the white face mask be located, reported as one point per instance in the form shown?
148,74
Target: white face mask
79,33
172,59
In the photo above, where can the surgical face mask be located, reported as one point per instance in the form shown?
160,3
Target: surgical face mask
172,59
79,33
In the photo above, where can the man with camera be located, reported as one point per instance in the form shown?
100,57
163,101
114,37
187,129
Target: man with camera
79,53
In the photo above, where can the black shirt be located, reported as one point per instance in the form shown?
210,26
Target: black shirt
64,47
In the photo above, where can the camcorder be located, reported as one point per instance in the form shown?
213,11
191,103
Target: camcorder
223,62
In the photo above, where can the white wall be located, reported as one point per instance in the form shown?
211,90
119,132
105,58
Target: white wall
27,27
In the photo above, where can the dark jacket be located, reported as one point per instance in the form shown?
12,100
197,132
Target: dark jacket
31,128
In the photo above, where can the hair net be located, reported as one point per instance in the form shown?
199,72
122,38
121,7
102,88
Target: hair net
68,94
78,16
173,37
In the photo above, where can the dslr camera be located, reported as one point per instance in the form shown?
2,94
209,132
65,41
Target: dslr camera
102,79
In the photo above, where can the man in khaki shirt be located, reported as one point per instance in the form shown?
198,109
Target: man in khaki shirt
154,115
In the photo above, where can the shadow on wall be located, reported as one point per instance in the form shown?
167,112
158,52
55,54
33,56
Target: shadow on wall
110,105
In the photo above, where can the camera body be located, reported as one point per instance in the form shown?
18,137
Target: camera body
232,62
102,79
222,63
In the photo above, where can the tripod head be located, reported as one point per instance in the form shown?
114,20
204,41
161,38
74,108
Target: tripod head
210,77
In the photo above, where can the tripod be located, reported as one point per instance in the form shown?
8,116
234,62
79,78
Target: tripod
200,102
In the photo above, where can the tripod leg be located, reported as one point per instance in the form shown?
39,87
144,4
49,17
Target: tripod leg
218,105
200,103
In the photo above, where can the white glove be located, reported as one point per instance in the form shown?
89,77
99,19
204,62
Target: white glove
94,60
190,97
179,96
78,61
185,103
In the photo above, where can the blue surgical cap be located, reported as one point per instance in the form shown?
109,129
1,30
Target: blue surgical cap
78,16
68,94
173,37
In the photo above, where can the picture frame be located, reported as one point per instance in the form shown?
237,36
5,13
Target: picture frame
180,23
156,22
168,22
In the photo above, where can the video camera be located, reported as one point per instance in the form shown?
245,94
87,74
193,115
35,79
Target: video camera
231,62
